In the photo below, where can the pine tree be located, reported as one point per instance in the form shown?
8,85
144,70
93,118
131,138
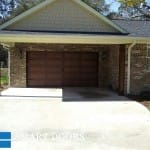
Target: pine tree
11,8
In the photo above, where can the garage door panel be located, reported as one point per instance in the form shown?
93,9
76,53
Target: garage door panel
36,70
53,77
71,63
37,61
35,83
90,58
36,75
54,81
40,58
53,70
37,65
89,83
72,83
89,64
75,77
89,77
46,69
72,55
54,55
56,63
36,55
71,70
89,55
86,72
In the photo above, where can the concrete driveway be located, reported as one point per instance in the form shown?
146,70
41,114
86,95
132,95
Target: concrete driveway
65,94
44,124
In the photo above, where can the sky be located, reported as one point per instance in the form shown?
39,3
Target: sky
115,5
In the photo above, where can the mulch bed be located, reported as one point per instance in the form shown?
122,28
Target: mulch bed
146,104
143,99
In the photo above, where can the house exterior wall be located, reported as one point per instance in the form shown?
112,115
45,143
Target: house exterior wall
108,64
108,61
140,76
64,15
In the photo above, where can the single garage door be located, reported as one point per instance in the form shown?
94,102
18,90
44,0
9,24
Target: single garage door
55,69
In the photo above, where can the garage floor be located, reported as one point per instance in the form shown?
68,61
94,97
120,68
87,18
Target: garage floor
65,94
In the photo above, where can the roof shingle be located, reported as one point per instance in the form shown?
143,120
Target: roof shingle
135,28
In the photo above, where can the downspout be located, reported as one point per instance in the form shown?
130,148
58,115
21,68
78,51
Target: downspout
129,67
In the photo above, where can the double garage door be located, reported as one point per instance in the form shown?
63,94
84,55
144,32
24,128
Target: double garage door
59,69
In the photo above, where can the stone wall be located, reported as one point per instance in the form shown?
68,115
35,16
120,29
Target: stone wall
108,61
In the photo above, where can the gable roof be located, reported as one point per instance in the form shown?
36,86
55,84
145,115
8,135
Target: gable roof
136,28
49,2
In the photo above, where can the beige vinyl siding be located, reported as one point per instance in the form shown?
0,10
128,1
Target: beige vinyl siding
63,15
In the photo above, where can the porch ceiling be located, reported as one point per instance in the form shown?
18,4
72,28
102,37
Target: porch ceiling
30,37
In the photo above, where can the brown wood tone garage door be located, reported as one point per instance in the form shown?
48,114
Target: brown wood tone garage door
55,69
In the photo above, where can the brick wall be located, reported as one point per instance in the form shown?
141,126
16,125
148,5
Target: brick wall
114,66
17,68
108,61
140,76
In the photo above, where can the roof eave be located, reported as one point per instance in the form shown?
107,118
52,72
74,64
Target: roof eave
71,39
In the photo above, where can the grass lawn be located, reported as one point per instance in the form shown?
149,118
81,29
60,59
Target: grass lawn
4,80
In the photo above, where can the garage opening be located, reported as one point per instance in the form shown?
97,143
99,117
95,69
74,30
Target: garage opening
62,69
